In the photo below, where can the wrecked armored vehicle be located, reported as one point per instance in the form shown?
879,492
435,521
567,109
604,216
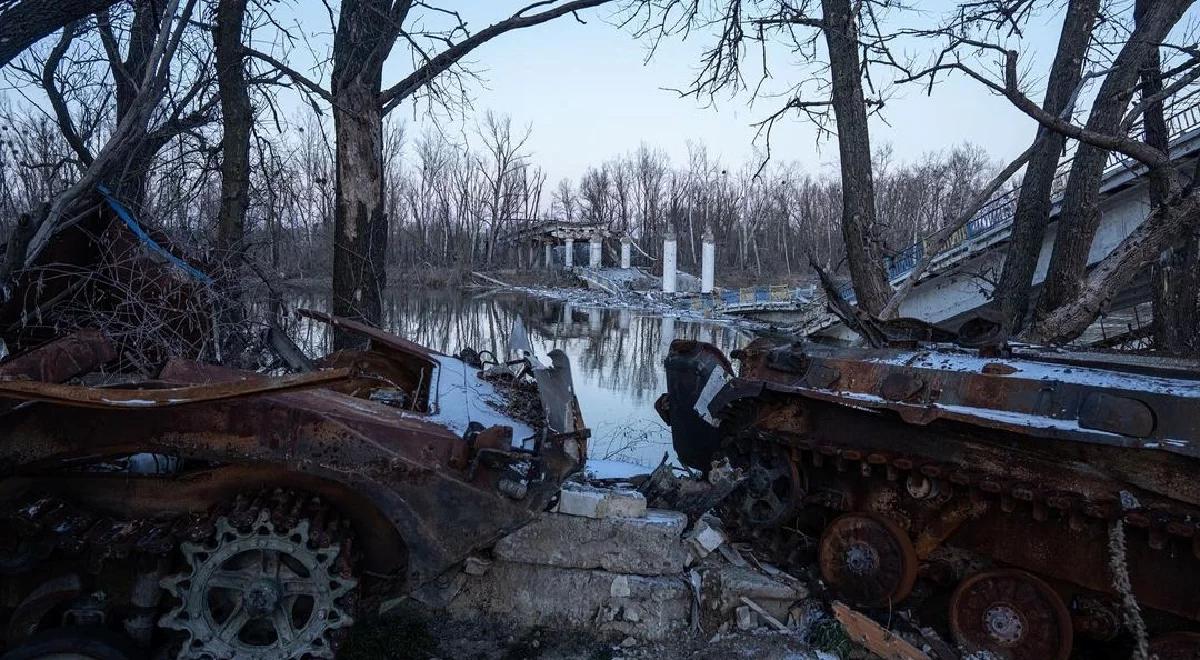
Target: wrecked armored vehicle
223,514
1024,487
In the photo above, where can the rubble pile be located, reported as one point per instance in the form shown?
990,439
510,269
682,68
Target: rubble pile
602,562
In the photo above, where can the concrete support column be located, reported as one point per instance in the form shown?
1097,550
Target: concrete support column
626,242
669,263
569,260
594,256
708,262
549,255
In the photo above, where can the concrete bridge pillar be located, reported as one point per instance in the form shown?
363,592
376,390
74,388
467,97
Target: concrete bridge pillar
594,256
549,255
569,260
708,258
625,254
669,263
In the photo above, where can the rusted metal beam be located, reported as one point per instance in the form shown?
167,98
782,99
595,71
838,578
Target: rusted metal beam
94,397
62,359
374,334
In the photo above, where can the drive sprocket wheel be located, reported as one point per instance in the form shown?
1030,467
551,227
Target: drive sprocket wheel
259,592
867,559
1012,614
772,490
1175,646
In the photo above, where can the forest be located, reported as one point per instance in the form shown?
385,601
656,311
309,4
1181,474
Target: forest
175,107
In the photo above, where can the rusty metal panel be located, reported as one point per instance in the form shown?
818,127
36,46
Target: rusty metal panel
133,399
62,359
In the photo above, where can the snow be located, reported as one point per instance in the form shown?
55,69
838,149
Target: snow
130,403
1046,371
462,397
603,468
1022,419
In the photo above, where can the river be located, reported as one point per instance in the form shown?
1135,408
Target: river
616,354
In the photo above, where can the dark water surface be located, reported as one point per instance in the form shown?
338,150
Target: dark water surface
616,354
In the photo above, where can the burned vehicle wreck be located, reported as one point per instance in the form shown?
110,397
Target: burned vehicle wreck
1029,503
215,513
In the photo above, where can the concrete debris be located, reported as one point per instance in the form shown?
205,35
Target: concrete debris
747,619
731,555
648,545
532,595
591,570
705,537
726,586
766,616
620,587
476,566
591,502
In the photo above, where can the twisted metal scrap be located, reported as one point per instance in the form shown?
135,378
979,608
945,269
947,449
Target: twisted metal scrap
209,638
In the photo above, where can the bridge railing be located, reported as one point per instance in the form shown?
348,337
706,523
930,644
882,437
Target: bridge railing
998,213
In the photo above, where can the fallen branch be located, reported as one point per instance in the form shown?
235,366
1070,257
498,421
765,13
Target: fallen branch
489,279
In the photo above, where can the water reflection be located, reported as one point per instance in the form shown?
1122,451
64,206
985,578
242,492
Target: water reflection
616,354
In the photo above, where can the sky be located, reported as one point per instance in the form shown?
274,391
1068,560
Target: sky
590,92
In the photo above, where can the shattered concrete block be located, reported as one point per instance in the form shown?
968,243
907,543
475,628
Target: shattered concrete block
704,538
649,545
576,502
747,619
476,566
724,588
577,599
589,502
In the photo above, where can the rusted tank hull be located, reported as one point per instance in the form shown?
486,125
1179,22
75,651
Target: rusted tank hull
381,471
1018,462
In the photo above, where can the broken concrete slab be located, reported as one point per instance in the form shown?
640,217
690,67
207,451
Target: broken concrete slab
647,607
649,545
725,587
591,502
705,537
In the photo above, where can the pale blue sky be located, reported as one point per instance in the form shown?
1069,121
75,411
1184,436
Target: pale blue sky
589,95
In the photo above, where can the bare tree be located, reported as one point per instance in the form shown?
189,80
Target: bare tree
237,121
1011,295
829,88
1107,130
367,31
1080,217
23,22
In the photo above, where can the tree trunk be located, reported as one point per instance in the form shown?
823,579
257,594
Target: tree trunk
1176,275
367,29
1080,215
358,255
1116,270
235,140
860,230
1012,293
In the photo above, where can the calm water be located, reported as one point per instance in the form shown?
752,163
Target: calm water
616,354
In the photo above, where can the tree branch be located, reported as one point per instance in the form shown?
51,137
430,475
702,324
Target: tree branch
395,94
296,76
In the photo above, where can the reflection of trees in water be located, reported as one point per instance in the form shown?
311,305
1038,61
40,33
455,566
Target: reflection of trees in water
621,350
